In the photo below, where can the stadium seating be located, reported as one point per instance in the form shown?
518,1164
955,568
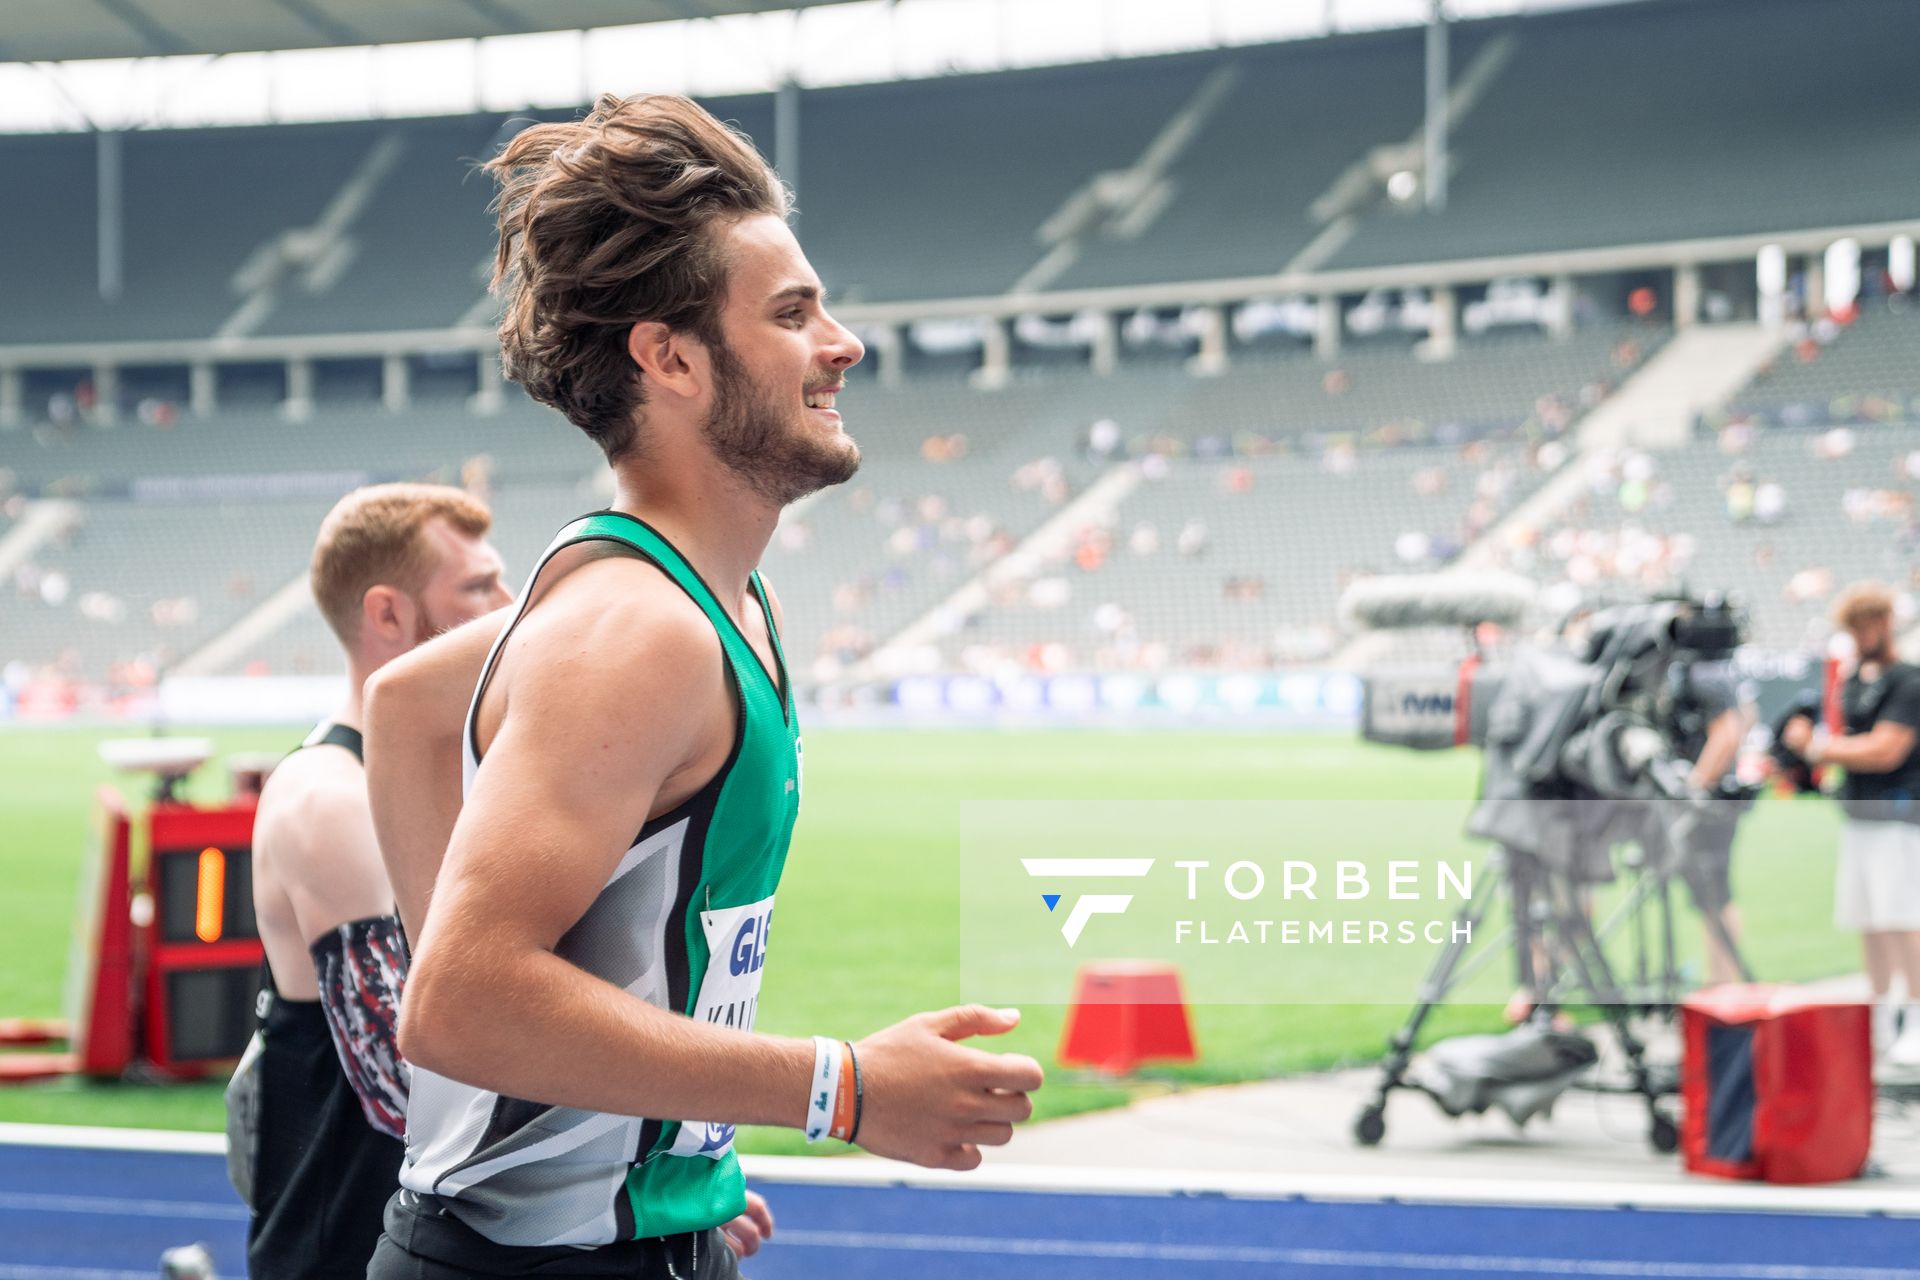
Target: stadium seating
1517,381
525,518
421,244
1694,518
197,204
525,441
1235,563
152,582
1612,126
1285,472
1866,372
1296,116
1600,130
953,478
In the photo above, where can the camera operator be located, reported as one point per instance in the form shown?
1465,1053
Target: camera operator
1711,721
1877,890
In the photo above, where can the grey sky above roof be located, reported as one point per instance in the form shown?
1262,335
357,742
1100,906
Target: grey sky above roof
61,30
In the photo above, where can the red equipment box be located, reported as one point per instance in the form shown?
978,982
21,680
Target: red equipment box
165,962
1778,1085
203,948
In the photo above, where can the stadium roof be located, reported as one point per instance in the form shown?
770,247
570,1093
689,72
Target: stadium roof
65,30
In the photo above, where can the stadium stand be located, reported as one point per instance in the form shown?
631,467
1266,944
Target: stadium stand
1867,371
1779,519
1608,126
1295,117
1235,564
1504,383
1372,457
201,202
1812,129
954,476
961,218
906,533
420,244
362,439
145,584
525,518
951,479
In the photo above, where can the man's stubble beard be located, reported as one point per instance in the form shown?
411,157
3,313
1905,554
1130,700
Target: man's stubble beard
427,626
759,440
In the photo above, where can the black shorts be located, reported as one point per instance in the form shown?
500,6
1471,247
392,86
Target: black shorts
423,1241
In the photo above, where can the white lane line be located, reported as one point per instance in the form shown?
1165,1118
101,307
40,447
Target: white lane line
113,1206
1846,1199
1123,1250
19,1271
1894,1197
86,1137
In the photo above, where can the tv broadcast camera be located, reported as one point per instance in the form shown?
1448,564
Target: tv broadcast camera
1584,752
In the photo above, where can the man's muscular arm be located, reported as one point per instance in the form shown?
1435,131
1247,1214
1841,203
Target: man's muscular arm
1881,749
597,720
329,863
416,710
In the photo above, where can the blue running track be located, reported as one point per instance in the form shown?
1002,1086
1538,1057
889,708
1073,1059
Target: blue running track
89,1214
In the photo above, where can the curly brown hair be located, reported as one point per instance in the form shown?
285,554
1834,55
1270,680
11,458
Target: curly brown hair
1861,603
606,222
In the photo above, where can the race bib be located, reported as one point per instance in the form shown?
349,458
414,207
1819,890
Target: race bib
729,994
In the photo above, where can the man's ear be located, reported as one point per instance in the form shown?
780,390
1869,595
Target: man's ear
386,613
670,361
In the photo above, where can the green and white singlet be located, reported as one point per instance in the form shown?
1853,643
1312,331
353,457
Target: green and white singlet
682,924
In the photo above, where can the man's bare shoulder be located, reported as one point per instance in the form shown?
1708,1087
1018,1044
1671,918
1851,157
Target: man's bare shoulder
615,615
312,793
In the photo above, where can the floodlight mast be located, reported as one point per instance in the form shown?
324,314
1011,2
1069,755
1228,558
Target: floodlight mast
1435,164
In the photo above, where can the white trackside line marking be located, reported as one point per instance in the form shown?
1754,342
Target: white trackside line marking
30,1202
13,1271
1850,1200
93,1138
1057,1180
1329,1258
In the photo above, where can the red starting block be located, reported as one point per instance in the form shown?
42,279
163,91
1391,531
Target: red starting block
1125,1013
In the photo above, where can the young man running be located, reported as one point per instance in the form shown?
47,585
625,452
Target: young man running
591,949
393,565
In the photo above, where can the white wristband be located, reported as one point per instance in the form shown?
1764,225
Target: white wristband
821,1090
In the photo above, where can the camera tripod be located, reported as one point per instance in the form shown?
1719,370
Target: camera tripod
1560,954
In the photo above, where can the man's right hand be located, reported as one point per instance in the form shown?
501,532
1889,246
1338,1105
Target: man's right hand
934,1102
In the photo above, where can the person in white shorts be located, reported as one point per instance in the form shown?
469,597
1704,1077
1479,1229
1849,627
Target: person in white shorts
1878,886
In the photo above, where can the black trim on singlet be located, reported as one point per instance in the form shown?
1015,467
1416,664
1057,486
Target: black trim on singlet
784,689
624,1224
698,812
775,682
332,734
713,784
508,1116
